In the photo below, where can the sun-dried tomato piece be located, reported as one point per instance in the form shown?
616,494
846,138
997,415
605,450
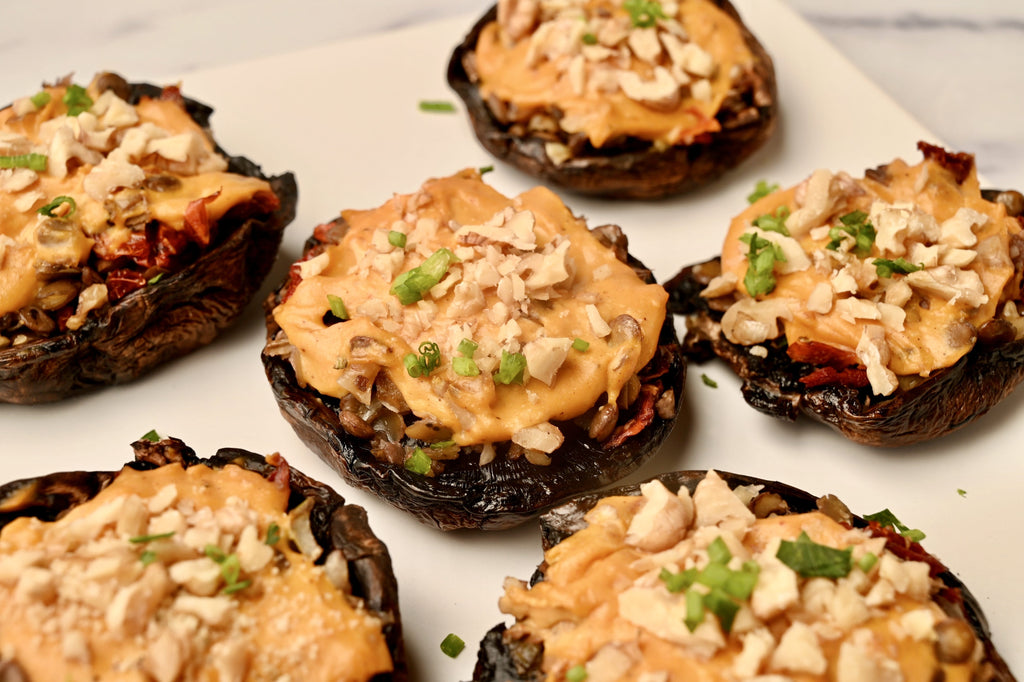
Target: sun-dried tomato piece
122,282
854,377
959,164
136,248
197,219
643,417
282,475
821,354
168,244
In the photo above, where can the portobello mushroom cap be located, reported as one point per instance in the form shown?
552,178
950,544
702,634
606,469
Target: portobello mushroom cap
168,317
509,489
629,168
335,524
502,658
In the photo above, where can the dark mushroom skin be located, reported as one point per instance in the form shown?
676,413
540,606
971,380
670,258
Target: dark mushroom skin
506,491
335,524
502,659
632,169
168,318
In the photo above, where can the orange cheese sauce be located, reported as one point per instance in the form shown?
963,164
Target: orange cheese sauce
574,611
507,72
290,621
475,408
933,335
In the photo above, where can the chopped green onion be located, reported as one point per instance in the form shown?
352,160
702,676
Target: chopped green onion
961,492
589,39
761,189
410,286
77,100
644,13
723,606
580,345
147,557
465,367
677,582
577,673
396,239
714,575
694,610
155,278
230,569
854,225
52,206
811,560
484,170
761,258
238,586
40,99
418,462
511,368
338,308
152,436
442,444
426,362
140,539
708,381
887,518
718,551
773,222
887,268
273,534
215,553
740,584
452,645
467,347
436,106
867,562
36,162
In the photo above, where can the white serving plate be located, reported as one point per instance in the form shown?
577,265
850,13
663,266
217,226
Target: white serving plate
344,118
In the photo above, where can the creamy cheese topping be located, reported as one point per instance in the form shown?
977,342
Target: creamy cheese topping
526,279
607,602
124,166
649,70
949,247
180,574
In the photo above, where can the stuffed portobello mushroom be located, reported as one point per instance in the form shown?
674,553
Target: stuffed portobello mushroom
718,576
472,358
887,307
127,236
179,568
636,99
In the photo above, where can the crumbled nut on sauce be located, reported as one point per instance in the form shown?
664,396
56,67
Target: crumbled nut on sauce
166,576
607,600
893,272
608,75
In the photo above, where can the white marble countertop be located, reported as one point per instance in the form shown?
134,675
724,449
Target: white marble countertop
956,68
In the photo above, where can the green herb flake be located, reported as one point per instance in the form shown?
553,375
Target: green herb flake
437,106
718,551
484,170
761,190
854,225
233,587
511,368
961,492
723,606
418,462
152,436
465,367
273,534
708,381
442,444
214,552
761,258
811,560
397,239
589,39
77,100
886,518
40,99
410,286
337,305
887,268
714,575
694,610
867,562
740,584
677,582
36,162
577,673
644,13
580,345
452,645
51,207
773,222
427,361
155,278
467,347
147,557
142,539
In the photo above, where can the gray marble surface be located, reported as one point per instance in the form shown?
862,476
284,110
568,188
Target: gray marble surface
957,67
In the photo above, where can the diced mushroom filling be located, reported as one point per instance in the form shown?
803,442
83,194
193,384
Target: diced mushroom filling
673,587
471,317
166,575
605,70
100,197
899,271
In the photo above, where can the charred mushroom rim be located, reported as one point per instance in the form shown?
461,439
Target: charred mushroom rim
471,358
127,236
888,307
636,99
236,567
718,576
